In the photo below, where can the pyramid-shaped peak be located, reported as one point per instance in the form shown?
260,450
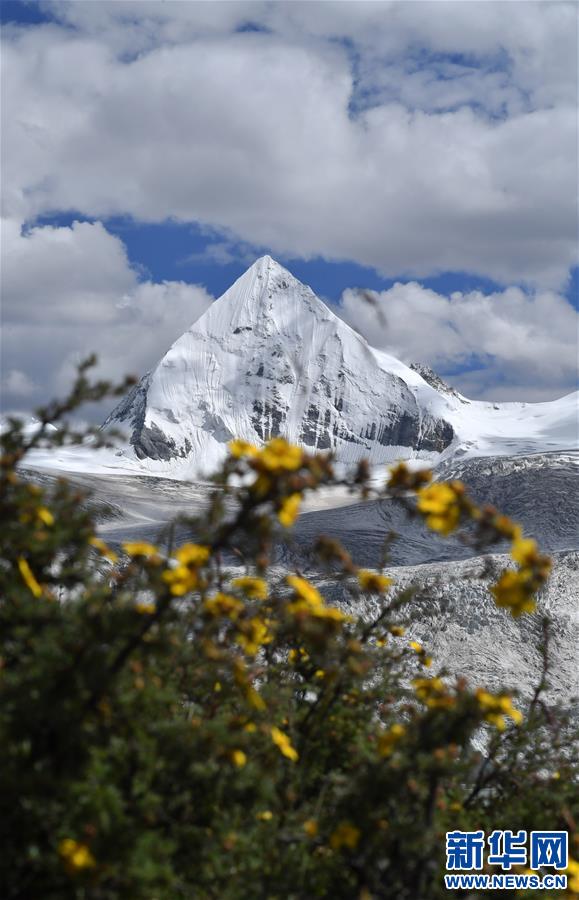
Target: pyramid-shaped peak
267,262
267,298
263,293
264,262
267,266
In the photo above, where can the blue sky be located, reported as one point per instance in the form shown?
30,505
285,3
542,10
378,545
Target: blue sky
176,251
427,152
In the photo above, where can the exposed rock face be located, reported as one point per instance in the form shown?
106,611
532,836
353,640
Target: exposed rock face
434,380
268,359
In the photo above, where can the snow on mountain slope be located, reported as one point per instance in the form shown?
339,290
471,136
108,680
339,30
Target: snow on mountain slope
269,358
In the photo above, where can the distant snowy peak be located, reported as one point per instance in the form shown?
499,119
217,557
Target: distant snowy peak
270,358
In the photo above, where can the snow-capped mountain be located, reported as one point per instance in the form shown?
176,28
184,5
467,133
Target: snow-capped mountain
270,358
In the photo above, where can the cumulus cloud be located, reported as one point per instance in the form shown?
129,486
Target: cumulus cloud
413,138
67,275
68,292
499,340
18,384
335,130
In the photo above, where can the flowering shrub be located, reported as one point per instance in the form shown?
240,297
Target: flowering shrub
173,728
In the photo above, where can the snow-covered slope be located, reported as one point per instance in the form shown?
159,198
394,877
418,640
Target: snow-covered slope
270,358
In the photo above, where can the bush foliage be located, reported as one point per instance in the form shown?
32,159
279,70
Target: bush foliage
187,722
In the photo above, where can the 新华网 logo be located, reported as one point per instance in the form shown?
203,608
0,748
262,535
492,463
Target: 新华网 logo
471,851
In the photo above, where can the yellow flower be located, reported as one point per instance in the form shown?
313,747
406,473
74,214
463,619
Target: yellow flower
238,758
525,551
28,578
330,614
254,634
439,504
239,449
45,515
280,456
77,856
283,743
496,707
181,580
421,653
572,873
388,739
295,655
506,705
223,605
371,581
425,687
254,699
184,577
345,835
144,608
289,509
103,548
192,554
433,692
254,588
141,548
265,816
310,827
513,591
309,600
484,699
305,591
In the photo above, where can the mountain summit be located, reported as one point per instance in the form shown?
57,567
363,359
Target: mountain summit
270,358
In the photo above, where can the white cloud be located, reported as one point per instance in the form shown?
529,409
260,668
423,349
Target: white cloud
444,166
18,384
518,345
69,292
413,137
65,275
